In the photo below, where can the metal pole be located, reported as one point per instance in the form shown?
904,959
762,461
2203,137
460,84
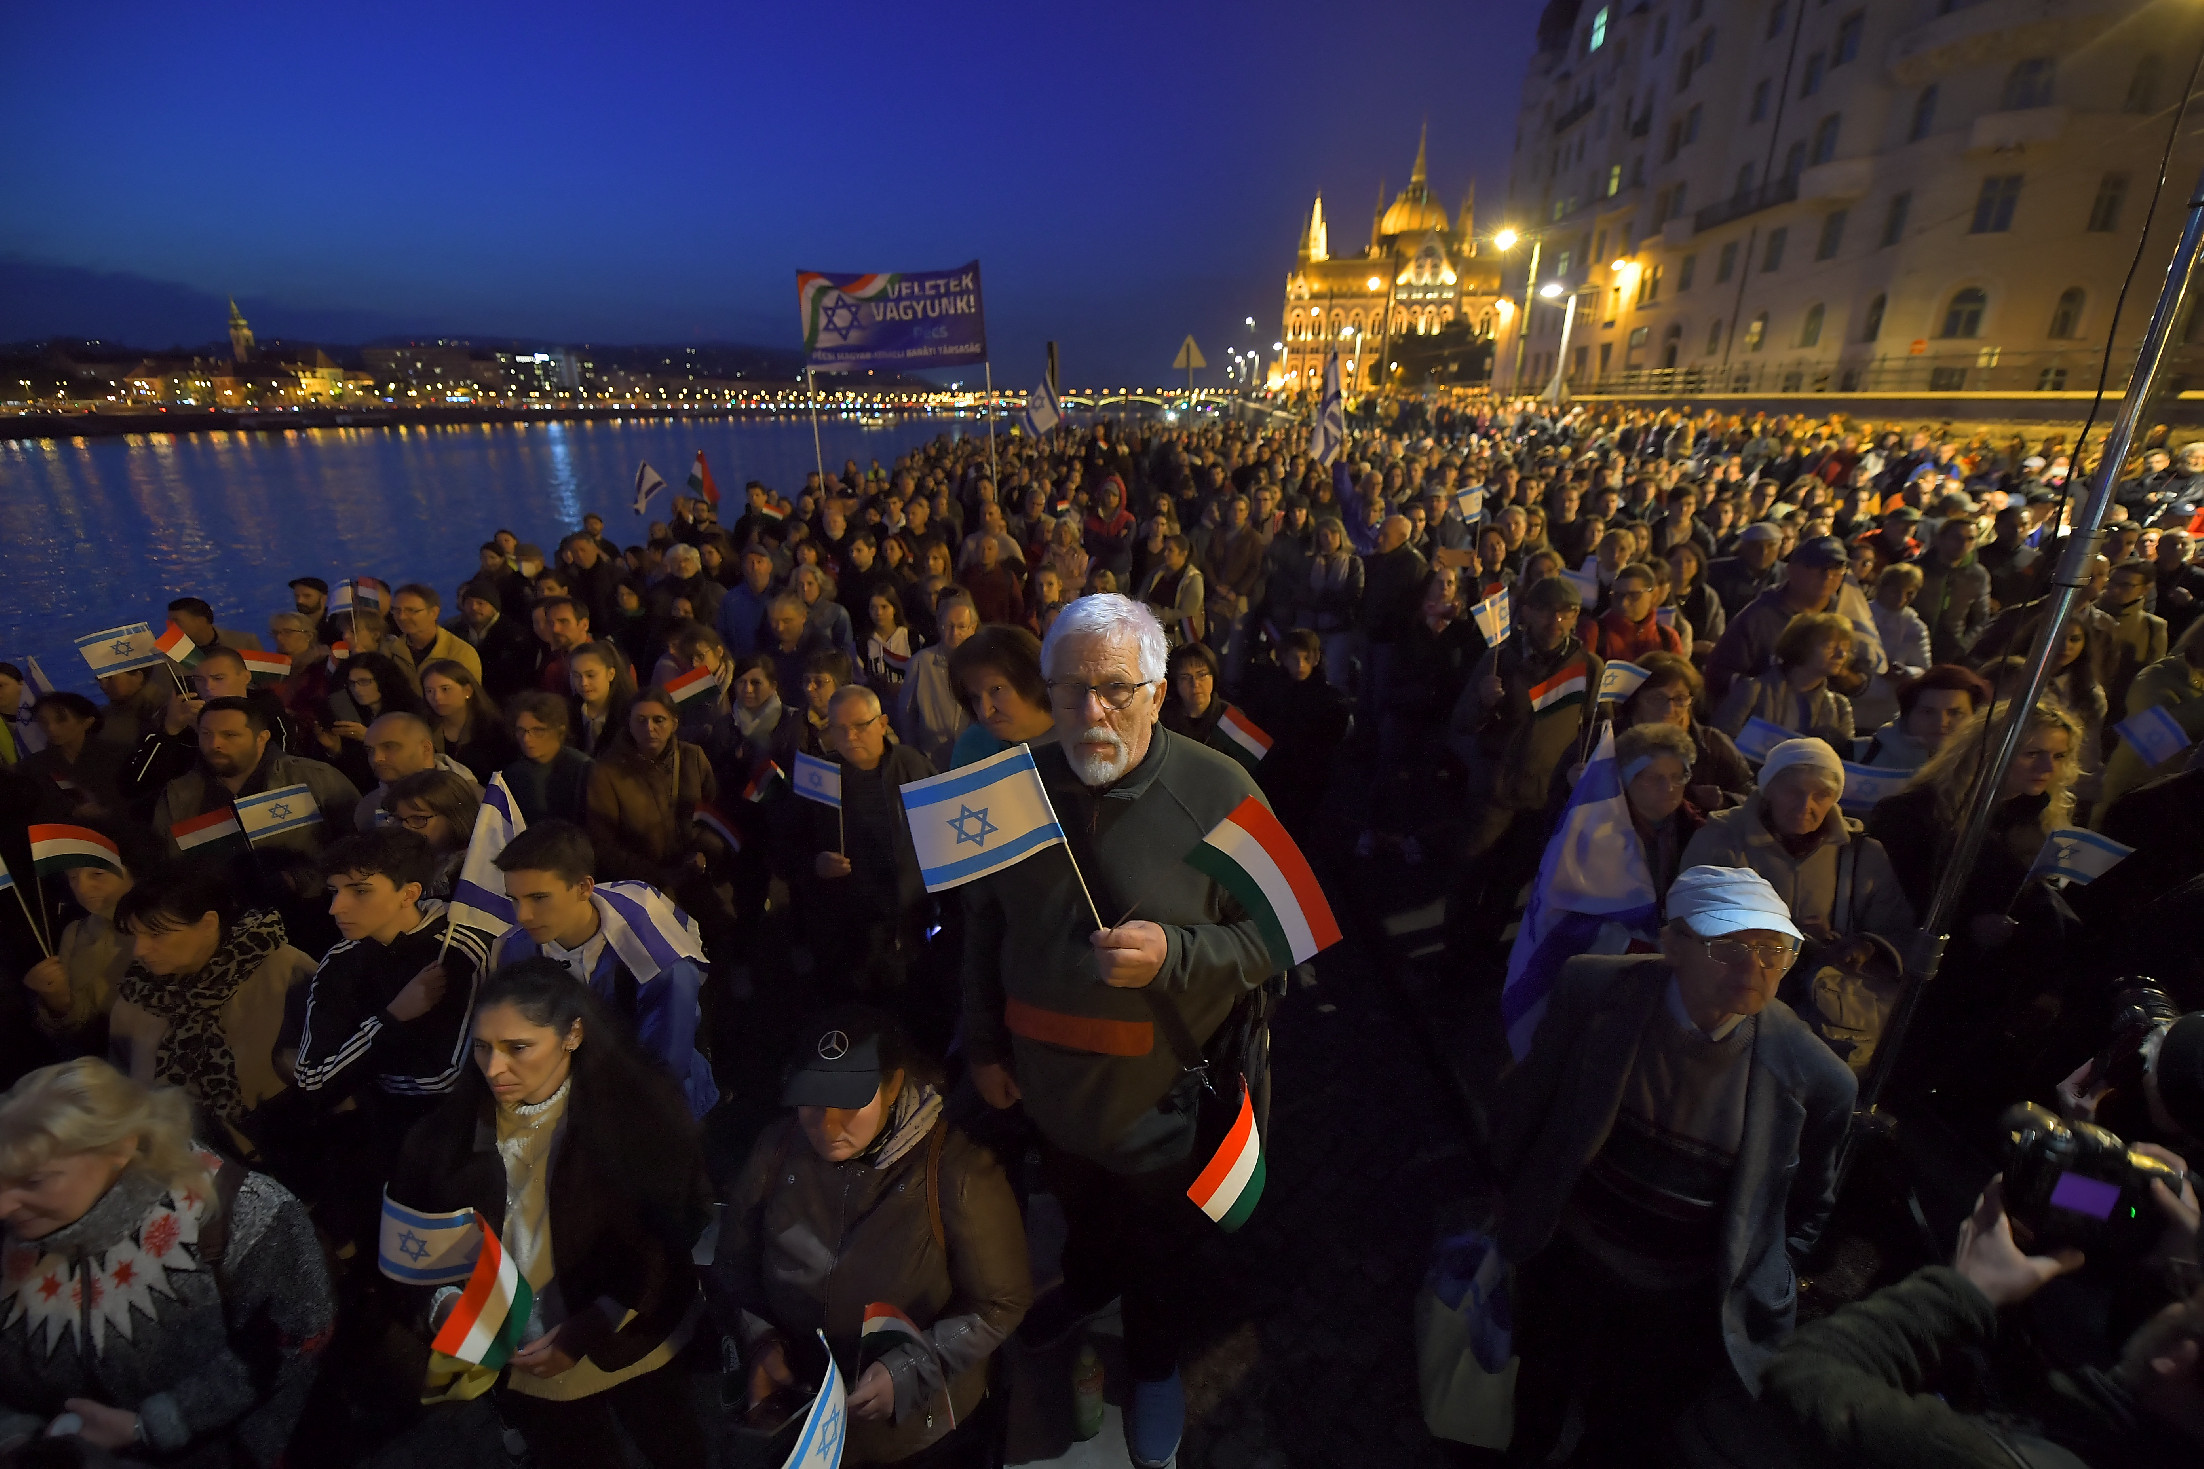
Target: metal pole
1523,332
1558,388
817,453
2067,583
989,368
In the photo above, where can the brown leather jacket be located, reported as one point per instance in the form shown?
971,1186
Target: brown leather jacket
639,809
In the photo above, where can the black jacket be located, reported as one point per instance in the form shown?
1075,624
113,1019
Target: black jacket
508,653
350,1040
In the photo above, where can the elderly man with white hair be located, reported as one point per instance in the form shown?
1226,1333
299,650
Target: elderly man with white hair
1100,1031
1667,1151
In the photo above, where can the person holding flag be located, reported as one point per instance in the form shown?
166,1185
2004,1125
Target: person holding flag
579,1158
75,988
869,1217
1096,971
237,758
1328,434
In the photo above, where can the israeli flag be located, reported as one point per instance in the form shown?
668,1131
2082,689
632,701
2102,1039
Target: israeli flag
1759,736
1586,584
1469,504
2081,857
2156,735
817,780
276,811
343,598
35,677
1864,785
1328,439
119,649
1619,680
1594,895
1494,618
427,1249
979,819
1043,411
647,484
479,900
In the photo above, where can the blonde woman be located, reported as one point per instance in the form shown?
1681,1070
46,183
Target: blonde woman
159,1302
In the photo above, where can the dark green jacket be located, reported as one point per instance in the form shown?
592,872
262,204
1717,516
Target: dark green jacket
1094,1089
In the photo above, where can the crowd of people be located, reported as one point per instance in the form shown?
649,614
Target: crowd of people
240,1040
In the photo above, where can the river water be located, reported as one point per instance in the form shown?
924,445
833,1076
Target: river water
99,532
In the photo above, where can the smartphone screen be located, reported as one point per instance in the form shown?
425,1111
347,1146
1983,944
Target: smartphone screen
2081,1195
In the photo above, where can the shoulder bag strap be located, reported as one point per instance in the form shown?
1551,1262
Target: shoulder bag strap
935,1141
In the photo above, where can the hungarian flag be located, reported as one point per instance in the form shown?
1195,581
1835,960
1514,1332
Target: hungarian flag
885,1329
1250,742
338,652
178,648
1563,688
266,667
60,848
377,589
213,835
1231,1184
694,684
484,1327
718,825
761,780
1250,856
700,480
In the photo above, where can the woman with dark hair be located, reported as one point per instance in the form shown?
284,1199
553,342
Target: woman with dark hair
868,1197
1930,707
1694,599
998,670
439,807
1195,703
888,647
580,1154
202,1002
1673,694
756,709
373,685
551,777
86,769
603,688
468,727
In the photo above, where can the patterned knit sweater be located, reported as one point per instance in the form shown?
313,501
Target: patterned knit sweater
205,1325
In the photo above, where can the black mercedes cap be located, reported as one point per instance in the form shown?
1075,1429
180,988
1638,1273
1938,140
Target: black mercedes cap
836,1062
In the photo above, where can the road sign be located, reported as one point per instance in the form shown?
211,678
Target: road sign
1189,356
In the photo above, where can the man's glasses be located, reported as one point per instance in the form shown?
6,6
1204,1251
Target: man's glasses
1071,693
1736,954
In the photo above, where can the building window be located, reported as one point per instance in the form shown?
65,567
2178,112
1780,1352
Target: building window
1706,48
2104,212
1649,285
2066,317
1691,125
1599,29
1775,18
1848,39
1671,344
1675,141
1825,137
2142,87
1873,326
1963,317
1744,181
1809,330
1832,235
1947,379
2028,84
1810,83
1714,336
1771,259
1756,333
1684,69
1725,265
1695,9
1614,179
1894,222
1924,114
1794,161
1639,336
1993,207
1561,263
2051,380
1685,271
1759,101
1660,35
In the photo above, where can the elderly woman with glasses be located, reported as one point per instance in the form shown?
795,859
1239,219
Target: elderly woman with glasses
1673,694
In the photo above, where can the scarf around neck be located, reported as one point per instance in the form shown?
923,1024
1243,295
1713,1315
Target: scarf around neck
194,1053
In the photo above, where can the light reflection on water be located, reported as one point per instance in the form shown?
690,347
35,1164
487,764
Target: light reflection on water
98,532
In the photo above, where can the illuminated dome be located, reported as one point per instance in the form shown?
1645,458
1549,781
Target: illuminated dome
1414,210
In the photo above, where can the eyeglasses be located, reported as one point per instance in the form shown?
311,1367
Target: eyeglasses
1071,693
1735,954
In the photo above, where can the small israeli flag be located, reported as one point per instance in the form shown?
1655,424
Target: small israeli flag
2156,735
119,649
1328,439
979,819
35,677
343,598
1864,785
1043,411
1619,680
817,780
427,1249
1494,618
1469,504
647,483
1759,736
479,900
1585,582
285,809
2081,857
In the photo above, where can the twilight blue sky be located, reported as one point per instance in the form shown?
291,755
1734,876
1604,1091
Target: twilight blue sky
1125,173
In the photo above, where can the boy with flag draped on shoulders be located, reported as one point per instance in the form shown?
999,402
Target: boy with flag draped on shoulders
1102,1032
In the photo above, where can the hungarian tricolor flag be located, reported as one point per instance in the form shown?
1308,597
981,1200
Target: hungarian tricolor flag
1248,741
338,652
1562,688
1251,857
761,780
885,1329
1231,1184
59,848
713,821
484,1327
178,648
211,835
266,667
700,480
694,684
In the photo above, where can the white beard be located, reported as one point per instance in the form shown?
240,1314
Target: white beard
1099,770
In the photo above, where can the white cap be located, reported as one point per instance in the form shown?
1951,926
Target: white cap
1811,753
1713,901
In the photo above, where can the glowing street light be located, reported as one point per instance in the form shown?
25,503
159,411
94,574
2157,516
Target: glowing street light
1373,283
1506,239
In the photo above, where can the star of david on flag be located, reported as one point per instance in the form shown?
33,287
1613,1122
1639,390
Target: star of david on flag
997,806
427,1249
2081,857
271,812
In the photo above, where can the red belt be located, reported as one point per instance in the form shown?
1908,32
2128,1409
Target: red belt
1079,1032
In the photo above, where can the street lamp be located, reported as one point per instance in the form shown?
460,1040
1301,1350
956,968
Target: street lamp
1551,291
1506,240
